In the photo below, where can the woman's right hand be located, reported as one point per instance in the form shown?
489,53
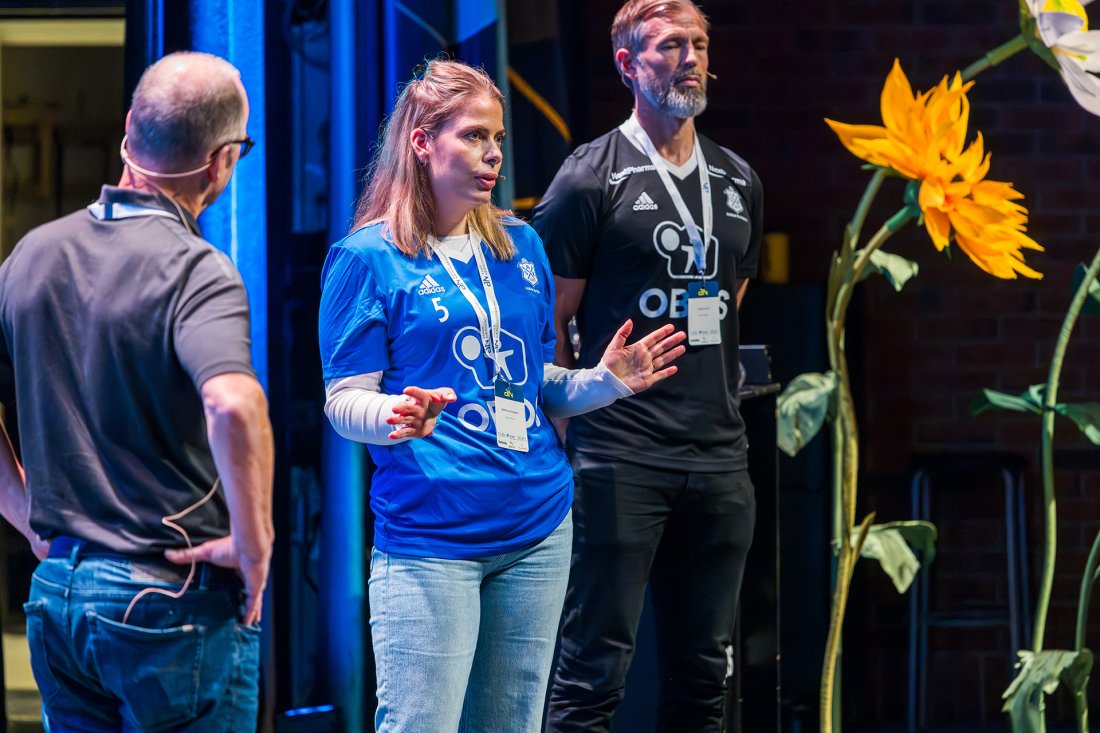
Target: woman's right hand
415,418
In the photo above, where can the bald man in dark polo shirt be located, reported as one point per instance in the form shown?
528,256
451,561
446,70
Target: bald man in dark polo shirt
144,431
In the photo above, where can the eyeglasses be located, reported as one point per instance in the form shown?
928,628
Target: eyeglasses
247,143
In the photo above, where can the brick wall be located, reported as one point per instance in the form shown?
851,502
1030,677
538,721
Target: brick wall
922,354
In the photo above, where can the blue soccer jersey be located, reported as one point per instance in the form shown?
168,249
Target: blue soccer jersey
455,494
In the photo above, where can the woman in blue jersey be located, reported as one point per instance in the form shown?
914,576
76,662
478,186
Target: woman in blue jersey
436,340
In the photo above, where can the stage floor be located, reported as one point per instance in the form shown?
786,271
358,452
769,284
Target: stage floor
24,704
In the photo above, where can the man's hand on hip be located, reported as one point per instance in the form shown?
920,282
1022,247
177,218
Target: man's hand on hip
224,553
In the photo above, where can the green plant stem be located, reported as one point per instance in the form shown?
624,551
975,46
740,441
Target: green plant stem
846,440
1085,597
830,672
841,528
838,361
863,259
1081,700
1050,399
1046,458
840,532
1081,710
994,57
838,685
855,227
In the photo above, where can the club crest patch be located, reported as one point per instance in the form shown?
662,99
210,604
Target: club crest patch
528,271
733,200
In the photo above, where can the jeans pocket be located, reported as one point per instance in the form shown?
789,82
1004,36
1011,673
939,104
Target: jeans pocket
247,652
36,640
245,684
155,672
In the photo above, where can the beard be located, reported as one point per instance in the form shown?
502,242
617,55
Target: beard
673,101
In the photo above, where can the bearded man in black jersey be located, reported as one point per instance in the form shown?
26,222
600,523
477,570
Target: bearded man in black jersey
652,222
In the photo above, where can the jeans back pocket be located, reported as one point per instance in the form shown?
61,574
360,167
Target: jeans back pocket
154,672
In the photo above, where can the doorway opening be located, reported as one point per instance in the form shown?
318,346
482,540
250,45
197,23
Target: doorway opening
62,112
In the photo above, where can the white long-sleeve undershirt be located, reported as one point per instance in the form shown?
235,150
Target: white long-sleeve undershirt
569,392
358,410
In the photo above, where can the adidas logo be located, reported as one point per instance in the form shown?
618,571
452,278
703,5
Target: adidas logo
429,286
645,203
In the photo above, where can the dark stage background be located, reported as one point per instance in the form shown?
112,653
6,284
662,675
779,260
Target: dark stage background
922,354
919,356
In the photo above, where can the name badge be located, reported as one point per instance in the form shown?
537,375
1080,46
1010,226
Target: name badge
704,325
511,416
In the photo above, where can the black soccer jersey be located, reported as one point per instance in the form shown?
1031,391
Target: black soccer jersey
608,219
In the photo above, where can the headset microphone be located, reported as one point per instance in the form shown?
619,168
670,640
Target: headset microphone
155,174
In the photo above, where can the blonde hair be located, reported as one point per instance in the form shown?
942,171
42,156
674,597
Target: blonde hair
397,190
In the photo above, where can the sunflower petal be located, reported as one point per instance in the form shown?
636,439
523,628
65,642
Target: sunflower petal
938,227
854,137
977,256
891,154
986,190
1027,242
897,98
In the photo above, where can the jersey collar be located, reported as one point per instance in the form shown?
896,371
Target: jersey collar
147,200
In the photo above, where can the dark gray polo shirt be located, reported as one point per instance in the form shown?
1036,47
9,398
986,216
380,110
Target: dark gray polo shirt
110,327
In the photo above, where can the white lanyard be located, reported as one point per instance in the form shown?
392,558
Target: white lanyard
110,212
489,326
699,240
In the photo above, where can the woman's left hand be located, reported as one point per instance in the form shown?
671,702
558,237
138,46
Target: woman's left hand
415,418
645,362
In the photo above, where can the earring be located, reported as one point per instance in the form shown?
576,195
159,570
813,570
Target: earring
423,161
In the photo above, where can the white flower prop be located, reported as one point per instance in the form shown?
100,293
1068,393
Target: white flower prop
1062,25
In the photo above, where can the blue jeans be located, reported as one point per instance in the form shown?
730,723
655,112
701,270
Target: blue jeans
177,664
467,644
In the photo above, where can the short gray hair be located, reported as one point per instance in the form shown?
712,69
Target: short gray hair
184,106
628,27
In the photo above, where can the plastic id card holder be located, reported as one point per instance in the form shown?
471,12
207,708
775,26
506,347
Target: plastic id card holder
511,416
704,325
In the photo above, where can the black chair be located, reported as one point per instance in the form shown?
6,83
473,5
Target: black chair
954,473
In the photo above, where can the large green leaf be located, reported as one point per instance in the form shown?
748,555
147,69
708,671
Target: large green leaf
1039,675
1092,302
897,270
890,544
1030,401
920,535
1086,415
803,408
1076,676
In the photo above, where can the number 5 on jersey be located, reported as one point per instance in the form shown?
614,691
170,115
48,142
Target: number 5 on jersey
442,309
